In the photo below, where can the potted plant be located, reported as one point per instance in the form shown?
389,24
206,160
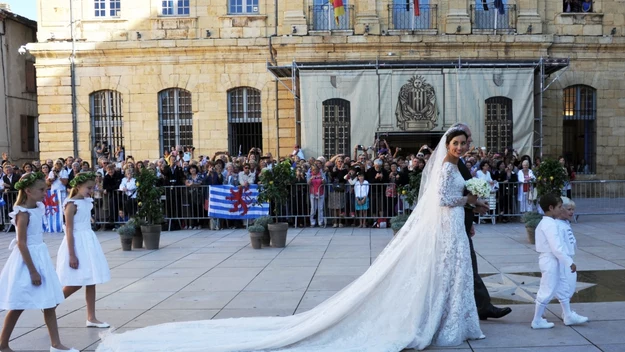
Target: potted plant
410,191
264,221
550,177
531,220
126,232
275,189
256,235
150,208
137,239
397,222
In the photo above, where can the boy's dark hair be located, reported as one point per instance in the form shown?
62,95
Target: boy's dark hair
548,200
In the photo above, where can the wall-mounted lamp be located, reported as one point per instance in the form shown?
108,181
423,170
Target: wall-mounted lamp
367,28
613,31
390,54
138,35
293,29
208,33
52,36
458,29
529,29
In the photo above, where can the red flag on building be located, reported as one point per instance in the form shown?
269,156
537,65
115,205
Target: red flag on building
416,7
339,9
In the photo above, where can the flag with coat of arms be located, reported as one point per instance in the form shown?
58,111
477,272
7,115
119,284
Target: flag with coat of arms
53,218
235,202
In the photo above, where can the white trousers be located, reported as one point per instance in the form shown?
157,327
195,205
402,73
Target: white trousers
556,280
316,206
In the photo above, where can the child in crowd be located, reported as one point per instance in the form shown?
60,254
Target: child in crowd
568,279
80,260
28,280
553,259
361,192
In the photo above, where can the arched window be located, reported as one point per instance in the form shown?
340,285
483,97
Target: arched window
245,127
107,123
498,124
176,118
336,127
579,140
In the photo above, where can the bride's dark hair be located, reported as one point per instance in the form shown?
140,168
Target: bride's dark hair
455,133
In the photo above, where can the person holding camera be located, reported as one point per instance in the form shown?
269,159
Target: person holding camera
58,178
377,176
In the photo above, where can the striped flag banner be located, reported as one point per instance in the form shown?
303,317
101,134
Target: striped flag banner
235,202
53,218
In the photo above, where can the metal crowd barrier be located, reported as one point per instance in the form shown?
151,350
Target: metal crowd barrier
187,207
603,197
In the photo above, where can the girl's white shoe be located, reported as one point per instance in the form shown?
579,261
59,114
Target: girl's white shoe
97,325
52,349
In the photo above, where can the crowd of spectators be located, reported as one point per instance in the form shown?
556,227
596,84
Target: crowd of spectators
360,189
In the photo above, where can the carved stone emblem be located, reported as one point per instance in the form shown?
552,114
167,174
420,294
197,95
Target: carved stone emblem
416,105
498,79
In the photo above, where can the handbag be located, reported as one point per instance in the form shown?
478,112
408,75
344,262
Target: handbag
532,194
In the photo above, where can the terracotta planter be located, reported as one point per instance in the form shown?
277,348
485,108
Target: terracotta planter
126,242
256,239
151,236
266,240
531,234
137,239
278,233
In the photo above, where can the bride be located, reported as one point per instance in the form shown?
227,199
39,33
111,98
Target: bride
418,292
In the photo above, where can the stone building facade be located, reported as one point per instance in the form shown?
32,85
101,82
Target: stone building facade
18,89
151,74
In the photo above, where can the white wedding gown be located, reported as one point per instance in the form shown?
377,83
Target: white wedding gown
418,292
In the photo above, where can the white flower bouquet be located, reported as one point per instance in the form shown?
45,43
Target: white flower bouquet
478,187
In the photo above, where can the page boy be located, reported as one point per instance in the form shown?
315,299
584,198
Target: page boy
553,258
568,279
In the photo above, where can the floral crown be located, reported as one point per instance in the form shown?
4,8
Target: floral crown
82,178
28,180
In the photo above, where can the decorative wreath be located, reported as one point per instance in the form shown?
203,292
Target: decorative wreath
82,178
28,180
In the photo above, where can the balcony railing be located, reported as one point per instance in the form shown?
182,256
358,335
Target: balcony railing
402,17
491,19
321,18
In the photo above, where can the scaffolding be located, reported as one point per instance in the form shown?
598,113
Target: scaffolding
543,68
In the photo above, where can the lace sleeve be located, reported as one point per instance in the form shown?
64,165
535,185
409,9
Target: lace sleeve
449,197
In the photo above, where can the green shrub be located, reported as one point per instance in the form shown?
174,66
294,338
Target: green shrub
256,228
400,218
397,225
126,230
263,221
531,219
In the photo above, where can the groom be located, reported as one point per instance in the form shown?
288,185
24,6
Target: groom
485,309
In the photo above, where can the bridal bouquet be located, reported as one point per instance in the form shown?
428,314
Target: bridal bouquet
478,187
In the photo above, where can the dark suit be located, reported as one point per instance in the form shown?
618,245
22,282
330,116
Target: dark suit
10,194
482,298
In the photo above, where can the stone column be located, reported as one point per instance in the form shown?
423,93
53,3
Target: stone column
457,20
366,14
293,17
528,16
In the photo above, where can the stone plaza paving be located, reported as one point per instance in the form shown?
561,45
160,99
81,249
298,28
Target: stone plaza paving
203,274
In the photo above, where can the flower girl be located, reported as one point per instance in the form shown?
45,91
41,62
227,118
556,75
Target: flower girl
80,260
28,280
